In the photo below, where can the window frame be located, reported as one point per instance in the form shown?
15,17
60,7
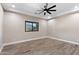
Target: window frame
37,25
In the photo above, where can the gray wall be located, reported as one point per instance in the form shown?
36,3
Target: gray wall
1,26
14,27
65,27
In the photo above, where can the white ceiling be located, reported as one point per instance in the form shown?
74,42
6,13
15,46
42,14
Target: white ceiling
31,8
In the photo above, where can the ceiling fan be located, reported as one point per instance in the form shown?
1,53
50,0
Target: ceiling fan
47,9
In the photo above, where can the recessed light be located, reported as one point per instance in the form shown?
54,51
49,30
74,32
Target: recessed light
13,6
76,7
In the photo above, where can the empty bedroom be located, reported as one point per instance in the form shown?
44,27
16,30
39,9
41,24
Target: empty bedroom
39,28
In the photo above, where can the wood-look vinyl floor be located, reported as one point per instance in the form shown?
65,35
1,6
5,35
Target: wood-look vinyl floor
41,47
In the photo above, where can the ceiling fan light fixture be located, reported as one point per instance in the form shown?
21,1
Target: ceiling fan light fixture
44,11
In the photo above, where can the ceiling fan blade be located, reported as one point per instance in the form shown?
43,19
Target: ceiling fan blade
52,7
52,10
48,12
41,12
46,6
44,13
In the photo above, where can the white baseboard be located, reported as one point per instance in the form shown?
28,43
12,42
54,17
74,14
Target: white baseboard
24,40
39,38
63,40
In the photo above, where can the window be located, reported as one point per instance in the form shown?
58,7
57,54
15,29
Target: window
31,26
